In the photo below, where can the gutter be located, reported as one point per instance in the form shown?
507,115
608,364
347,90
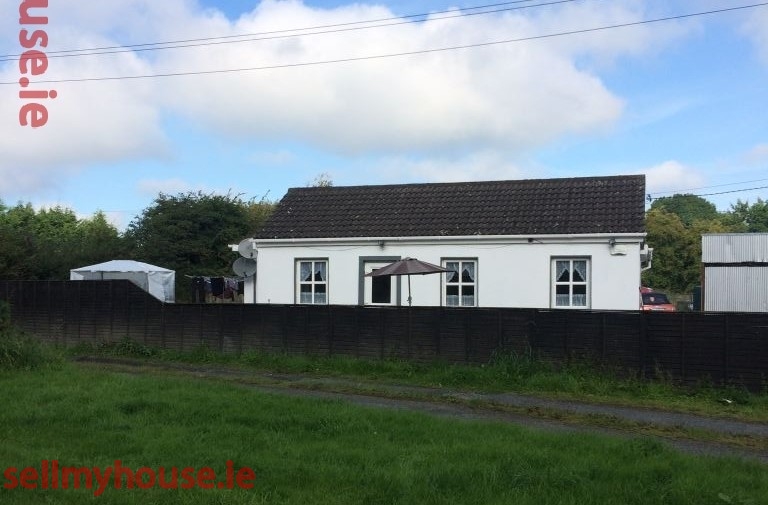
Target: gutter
532,239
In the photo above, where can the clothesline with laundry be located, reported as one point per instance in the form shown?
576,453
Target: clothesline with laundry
215,289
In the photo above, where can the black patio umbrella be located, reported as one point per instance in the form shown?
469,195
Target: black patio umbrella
407,266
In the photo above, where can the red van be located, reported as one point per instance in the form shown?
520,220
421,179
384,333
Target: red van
655,300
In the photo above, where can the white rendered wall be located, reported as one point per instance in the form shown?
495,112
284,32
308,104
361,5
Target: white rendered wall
510,273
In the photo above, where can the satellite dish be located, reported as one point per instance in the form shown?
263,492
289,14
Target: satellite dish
244,267
247,248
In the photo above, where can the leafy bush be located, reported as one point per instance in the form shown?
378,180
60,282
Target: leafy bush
126,347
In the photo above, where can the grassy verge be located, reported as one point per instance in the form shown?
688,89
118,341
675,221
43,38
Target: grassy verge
518,373
325,452
22,352
474,402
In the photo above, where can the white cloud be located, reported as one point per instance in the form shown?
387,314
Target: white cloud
88,123
758,154
510,97
671,176
513,96
153,187
602,46
174,186
756,28
273,158
478,166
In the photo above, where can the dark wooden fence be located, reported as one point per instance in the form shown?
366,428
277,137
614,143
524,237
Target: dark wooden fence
690,347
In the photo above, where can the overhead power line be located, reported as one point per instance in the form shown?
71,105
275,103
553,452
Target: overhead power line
651,198
286,33
733,191
400,54
685,191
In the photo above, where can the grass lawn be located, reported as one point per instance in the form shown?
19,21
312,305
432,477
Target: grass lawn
515,373
325,452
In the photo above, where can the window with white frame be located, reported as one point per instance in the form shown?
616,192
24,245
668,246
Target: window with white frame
570,279
460,288
312,281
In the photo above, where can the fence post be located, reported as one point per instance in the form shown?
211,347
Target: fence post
48,313
643,344
467,317
79,313
308,341
221,328
726,334
284,320
382,326
35,310
146,319
162,327
127,313
602,338
566,331
531,329
682,346
330,330
262,309
408,335
500,328
112,310
358,311
200,321
438,325
240,329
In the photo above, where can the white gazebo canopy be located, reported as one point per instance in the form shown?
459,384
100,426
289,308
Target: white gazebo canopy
157,281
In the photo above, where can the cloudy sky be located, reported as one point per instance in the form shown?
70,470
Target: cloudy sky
273,93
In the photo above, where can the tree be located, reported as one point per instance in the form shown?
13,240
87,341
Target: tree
322,180
99,240
675,225
15,241
671,269
191,232
258,212
48,243
688,208
754,218
56,243
677,249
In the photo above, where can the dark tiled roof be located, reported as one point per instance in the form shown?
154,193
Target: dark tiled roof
612,204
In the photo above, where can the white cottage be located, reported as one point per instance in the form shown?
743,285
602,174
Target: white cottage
571,243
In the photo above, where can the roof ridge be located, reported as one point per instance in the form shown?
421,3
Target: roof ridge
456,183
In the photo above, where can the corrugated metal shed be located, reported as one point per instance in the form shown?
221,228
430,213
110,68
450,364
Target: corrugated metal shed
735,272
736,289
734,247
